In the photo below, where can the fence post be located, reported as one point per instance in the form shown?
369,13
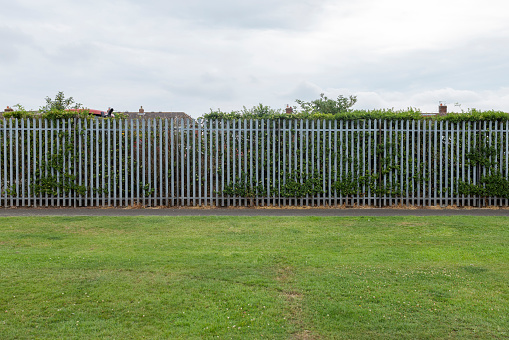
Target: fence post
379,161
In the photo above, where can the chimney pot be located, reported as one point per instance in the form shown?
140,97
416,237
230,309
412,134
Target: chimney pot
442,110
141,111
289,110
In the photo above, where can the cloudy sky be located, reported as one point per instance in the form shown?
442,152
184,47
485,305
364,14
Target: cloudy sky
196,55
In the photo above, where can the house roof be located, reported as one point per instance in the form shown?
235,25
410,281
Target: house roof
158,115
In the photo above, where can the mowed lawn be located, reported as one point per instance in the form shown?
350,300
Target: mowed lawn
254,277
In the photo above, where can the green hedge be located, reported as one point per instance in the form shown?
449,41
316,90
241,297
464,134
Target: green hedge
392,115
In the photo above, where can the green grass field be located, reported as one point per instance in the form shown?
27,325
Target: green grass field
254,278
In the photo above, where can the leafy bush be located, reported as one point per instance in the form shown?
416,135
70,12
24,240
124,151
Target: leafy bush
474,115
383,114
19,113
56,109
325,105
60,103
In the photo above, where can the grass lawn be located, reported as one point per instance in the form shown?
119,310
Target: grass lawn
254,277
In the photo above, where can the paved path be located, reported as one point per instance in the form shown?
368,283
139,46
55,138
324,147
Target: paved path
247,212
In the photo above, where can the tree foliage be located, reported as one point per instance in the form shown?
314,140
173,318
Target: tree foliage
320,106
328,106
60,103
55,109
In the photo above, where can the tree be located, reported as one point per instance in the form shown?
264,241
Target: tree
60,103
326,105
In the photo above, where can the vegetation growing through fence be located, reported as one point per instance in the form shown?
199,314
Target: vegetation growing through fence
59,175
492,183
295,185
56,173
319,162
261,154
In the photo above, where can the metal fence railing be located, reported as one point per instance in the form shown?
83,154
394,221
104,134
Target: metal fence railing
165,162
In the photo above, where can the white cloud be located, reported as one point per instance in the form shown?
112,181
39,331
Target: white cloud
195,55
428,101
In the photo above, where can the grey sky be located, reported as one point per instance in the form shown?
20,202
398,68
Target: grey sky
195,55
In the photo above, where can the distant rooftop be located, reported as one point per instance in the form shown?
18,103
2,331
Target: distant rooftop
158,115
142,114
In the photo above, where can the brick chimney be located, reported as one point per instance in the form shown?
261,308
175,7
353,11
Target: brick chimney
8,109
442,110
289,109
141,111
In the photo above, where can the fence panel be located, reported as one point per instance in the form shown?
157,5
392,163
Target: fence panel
253,163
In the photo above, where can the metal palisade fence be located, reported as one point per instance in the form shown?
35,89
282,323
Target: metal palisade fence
161,162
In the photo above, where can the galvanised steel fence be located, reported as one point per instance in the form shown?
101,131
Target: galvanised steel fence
161,162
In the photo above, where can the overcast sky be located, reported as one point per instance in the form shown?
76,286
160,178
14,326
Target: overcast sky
196,55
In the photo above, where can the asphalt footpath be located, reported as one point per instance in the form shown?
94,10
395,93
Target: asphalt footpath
340,212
